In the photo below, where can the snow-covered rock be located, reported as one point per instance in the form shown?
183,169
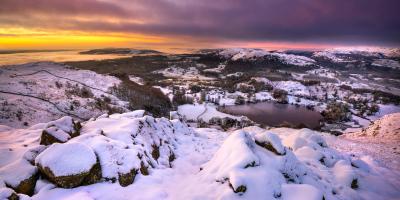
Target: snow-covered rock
67,165
20,176
7,193
60,131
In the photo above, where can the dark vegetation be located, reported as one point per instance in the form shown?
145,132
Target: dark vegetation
141,66
379,96
80,91
142,97
336,112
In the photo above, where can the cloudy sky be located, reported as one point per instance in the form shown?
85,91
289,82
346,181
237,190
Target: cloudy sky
198,23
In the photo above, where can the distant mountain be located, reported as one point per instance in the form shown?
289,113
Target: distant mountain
120,51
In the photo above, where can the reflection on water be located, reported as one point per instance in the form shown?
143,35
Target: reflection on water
273,114
56,56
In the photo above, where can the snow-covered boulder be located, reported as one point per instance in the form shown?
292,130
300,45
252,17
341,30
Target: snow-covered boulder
31,154
236,154
67,165
271,142
117,160
20,176
345,174
249,168
302,167
60,131
116,148
7,193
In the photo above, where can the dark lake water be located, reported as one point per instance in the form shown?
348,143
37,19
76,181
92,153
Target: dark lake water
274,114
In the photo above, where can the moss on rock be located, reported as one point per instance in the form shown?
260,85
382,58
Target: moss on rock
94,175
69,181
27,186
144,169
128,178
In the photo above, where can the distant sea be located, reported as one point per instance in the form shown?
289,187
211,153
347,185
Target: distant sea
21,57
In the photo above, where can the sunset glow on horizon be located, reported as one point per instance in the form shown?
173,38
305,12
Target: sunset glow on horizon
176,25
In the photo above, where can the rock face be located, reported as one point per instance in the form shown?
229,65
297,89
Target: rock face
60,131
66,165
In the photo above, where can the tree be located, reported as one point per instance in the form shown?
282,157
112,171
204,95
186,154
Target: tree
203,96
280,95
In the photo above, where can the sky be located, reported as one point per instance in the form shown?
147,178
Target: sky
188,24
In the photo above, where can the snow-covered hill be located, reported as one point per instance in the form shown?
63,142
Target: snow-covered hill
381,139
40,92
134,156
248,54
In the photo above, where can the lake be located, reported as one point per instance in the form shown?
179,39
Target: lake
274,114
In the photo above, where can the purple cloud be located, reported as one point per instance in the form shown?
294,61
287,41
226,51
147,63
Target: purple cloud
332,21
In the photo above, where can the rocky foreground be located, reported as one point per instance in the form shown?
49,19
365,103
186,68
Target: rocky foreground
135,156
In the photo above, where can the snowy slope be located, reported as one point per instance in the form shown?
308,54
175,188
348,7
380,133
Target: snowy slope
252,163
40,80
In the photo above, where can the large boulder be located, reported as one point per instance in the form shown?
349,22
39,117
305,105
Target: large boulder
116,161
20,176
67,165
60,131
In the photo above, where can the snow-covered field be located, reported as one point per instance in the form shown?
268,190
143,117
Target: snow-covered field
251,163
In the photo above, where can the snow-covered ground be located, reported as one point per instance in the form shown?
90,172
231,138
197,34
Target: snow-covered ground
387,63
191,73
205,112
252,163
218,69
40,80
